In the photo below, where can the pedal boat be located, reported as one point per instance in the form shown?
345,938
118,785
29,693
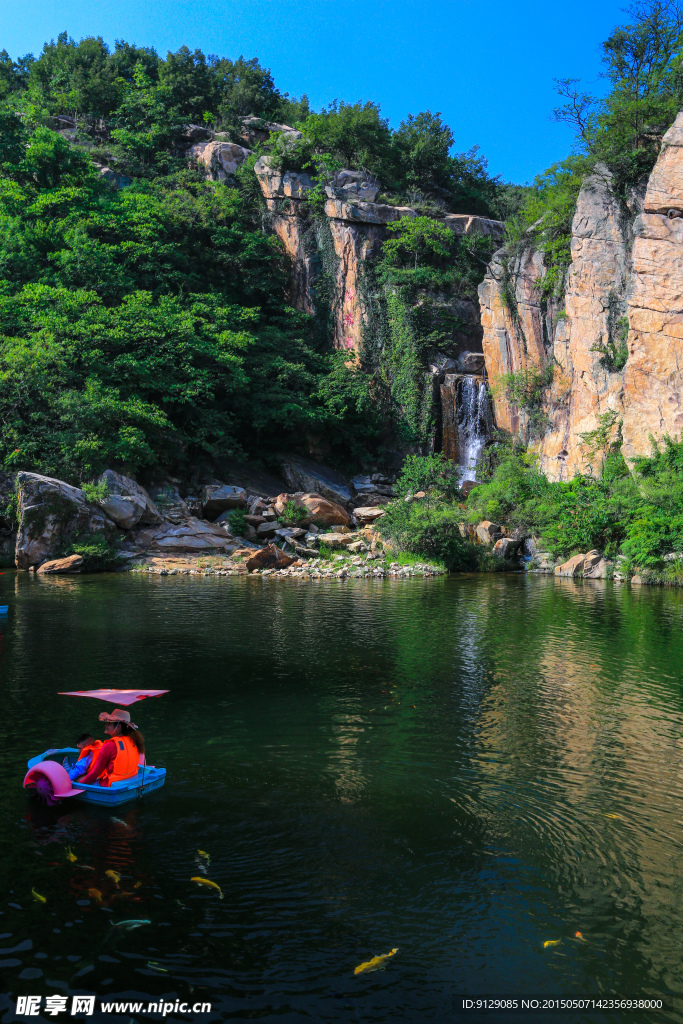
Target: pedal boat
50,780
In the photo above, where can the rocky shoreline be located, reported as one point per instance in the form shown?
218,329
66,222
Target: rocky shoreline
224,529
315,569
323,529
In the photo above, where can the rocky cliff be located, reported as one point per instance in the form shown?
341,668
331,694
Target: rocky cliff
327,254
623,295
653,375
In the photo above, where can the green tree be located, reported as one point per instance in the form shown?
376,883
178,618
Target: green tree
75,78
244,87
423,144
642,63
356,133
189,84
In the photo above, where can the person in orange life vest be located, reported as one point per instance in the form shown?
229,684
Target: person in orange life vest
119,756
87,749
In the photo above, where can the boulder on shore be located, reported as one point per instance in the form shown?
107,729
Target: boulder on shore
319,511
62,566
312,477
124,510
322,512
269,557
488,533
136,506
192,535
51,513
217,498
506,547
598,571
579,564
338,540
367,514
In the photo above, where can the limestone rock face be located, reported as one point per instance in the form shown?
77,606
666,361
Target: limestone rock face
653,375
366,213
290,225
595,301
276,184
220,159
511,343
583,389
358,226
620,277
51,513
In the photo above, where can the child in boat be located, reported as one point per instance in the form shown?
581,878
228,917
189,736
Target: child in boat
87,749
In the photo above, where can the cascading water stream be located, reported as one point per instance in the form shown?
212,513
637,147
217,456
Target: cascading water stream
466,421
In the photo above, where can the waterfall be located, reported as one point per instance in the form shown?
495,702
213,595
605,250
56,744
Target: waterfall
466,421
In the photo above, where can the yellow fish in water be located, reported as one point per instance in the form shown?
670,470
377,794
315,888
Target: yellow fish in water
205,855
207,881
95,894
137,885
551,942
38,897
614,817
377,961
114,875
70,855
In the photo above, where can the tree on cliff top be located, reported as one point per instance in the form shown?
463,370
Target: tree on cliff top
642,63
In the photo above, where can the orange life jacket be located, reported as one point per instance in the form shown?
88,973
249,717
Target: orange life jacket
125,765
92,748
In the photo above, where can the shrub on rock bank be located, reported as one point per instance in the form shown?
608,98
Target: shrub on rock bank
639,513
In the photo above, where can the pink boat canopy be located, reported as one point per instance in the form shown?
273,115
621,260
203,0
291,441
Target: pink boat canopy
124,697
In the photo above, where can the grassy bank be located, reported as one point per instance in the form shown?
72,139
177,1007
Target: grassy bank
631,513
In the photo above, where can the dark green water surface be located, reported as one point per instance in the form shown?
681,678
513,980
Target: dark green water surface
462,768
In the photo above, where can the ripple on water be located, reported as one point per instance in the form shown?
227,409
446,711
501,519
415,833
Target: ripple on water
463,768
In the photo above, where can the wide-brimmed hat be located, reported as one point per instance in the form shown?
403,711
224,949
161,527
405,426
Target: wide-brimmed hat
117,715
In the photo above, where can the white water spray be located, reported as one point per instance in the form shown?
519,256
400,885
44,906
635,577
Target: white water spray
466,421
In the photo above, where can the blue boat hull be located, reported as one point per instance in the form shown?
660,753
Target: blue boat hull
147,779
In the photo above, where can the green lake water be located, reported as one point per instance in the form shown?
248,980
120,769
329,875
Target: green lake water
463,768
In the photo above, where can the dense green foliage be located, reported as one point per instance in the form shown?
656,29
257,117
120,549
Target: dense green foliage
146,326
638,514
429,526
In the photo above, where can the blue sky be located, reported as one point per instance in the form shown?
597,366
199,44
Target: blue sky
487,65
